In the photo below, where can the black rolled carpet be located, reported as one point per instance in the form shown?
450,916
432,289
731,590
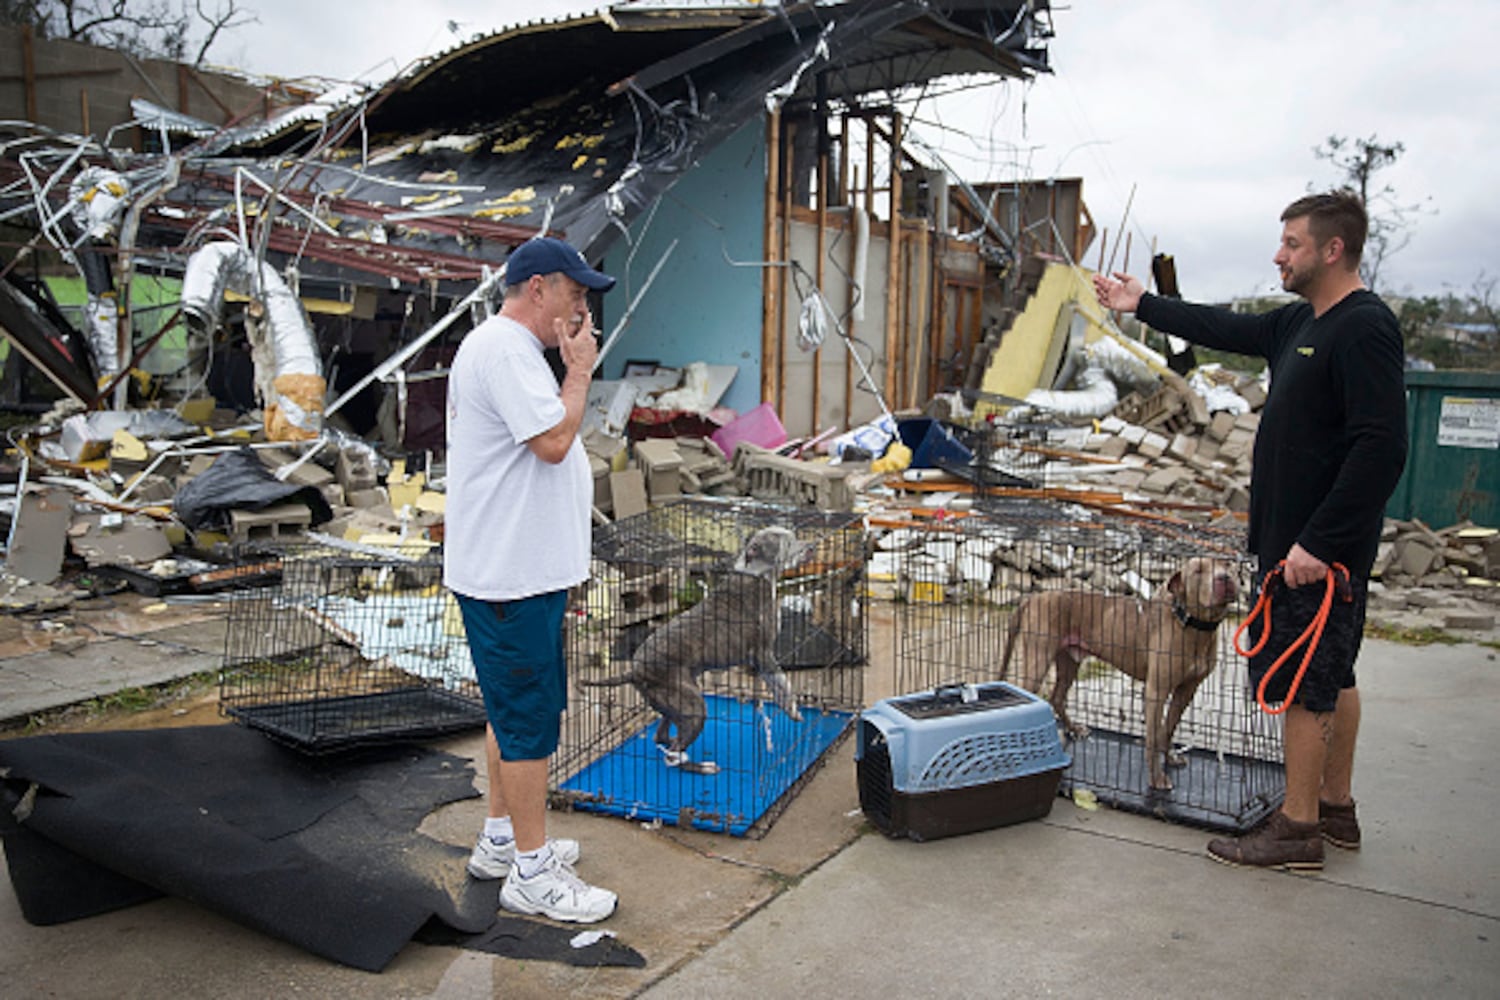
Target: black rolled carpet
322,852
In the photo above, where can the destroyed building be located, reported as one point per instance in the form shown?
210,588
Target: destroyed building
756,152
300,262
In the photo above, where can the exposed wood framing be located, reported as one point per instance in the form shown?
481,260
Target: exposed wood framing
844,182
28,72
770,317
893,258
785,254
822,210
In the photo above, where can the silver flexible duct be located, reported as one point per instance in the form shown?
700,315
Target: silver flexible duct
282,342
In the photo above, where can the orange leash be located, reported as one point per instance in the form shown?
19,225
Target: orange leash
1310,635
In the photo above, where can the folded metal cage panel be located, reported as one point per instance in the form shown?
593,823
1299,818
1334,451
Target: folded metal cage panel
648,573
351,648
959,585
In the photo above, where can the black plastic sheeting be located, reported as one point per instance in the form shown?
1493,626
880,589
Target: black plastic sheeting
321,852
239,480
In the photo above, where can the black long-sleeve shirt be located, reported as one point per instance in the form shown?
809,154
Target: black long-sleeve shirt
1332,437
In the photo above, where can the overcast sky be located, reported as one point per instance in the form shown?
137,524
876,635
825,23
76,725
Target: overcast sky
1208,111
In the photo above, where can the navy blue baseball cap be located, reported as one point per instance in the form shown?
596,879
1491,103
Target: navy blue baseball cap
547,255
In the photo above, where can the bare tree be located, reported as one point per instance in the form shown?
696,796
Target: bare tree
164,29
1390,219
225,16
1482,301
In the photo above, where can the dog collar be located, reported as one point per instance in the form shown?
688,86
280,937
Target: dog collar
1180,612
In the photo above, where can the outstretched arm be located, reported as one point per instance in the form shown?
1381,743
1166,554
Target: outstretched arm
1121,293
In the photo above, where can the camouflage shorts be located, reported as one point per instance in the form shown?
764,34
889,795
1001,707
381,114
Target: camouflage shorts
1332,666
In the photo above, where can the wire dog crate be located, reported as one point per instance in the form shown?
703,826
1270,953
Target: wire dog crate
969,588
353,648
666,605
1001,455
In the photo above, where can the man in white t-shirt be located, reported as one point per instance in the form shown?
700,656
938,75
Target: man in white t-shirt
517,534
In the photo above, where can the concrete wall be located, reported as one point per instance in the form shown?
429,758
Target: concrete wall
69,77
701,308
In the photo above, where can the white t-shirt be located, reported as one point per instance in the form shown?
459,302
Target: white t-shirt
514,525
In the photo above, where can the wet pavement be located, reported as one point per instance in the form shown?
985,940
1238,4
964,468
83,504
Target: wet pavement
1081,903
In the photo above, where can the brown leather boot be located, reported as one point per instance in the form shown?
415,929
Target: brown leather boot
1339,825
1280,843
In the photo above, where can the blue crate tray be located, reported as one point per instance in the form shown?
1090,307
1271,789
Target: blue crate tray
762,754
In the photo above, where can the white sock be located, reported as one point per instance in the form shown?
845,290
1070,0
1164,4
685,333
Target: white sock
499,829
528,863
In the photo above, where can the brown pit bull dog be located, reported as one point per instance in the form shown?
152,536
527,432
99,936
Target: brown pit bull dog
1170,643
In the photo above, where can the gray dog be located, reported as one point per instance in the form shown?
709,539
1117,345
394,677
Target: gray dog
734,625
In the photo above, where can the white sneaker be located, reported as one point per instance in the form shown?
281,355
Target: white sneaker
556,892
492,858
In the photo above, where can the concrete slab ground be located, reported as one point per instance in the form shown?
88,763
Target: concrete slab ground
1082,903
99,647
1105,903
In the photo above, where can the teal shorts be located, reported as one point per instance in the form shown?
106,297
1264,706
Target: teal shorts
517,649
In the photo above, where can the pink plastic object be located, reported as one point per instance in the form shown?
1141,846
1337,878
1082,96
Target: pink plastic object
758,426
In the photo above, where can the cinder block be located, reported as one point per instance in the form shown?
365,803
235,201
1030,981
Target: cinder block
354,471
769,476
1252,393
627,492
1114,447
644,597
1220,426
373,497
269,524
661,464
1183,446
600,469
1162,481
1152,445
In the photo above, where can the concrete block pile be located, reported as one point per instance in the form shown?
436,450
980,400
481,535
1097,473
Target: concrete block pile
1199,461
1000,561
1448,577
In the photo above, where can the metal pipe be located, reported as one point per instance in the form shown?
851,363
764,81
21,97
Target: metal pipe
630,309
402,356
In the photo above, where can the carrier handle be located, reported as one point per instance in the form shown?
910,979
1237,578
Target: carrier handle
965,692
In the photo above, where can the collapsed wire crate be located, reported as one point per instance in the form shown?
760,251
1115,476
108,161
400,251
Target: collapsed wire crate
357,646
1011,455
665,604
998,457
967,589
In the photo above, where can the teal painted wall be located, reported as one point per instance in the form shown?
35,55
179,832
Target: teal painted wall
700,308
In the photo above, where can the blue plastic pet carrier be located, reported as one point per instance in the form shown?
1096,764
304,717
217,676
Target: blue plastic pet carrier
957,759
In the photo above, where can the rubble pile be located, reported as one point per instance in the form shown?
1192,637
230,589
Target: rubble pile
1453,573
1002,560
166,506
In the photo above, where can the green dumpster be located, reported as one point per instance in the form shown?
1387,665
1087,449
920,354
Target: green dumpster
1453,462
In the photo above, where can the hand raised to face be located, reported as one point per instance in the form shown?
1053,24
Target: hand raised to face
576,343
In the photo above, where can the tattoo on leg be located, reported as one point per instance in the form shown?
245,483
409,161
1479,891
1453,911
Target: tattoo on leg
1325,724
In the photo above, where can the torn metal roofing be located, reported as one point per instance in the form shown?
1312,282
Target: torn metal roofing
577,125
584,121
217,138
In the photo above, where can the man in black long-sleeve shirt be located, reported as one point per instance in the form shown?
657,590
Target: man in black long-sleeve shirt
1330,448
